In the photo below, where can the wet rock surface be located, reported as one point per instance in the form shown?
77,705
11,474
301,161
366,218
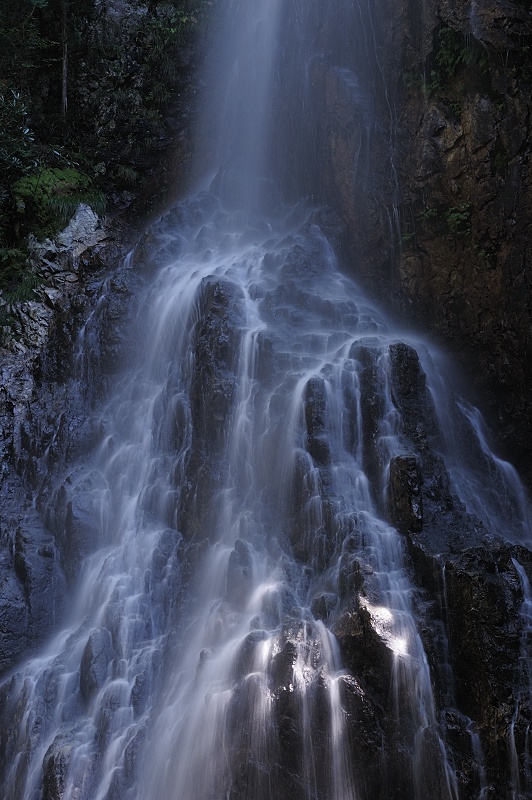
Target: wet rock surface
216,349
447,243
315,418
45,421
95,661
239,574
404,494
56,765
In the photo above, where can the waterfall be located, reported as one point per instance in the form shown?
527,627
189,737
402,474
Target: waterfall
245,625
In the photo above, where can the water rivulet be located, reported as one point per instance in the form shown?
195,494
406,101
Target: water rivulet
282,511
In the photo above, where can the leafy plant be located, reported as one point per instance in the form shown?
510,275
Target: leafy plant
429,213
453,53
119,80
412,80
127,175
458,218
434,83
455,108
52,196
16,137
13,262
22,290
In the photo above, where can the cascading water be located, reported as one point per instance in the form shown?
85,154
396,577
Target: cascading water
241,493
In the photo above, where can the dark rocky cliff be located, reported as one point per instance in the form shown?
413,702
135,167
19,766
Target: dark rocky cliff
440,224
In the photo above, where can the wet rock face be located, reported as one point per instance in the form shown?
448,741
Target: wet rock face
14,617
315,418
95,661
216,348
115,347
216,352
462,269
46,421
457,178
483,613
484,596
473,630
55,767
239,574
404,494
472,614
418,492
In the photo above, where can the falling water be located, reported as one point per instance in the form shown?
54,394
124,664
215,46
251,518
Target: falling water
238,491
521,757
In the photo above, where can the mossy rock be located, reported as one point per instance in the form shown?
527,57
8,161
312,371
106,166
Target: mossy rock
50,197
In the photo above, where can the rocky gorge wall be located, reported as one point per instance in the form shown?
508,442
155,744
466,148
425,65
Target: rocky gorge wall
434,181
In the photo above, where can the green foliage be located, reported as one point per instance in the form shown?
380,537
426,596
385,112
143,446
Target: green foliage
17,149
121,80
25,288
145,75
434,84
429,213
413,80
15,291
17,283
455,108
13,263
51,196
41,187
458,219
25,46
171,22
519,61
454,54
127,176
482,253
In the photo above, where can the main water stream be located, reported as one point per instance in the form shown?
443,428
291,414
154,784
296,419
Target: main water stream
241,505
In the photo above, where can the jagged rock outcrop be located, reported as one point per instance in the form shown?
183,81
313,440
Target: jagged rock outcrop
215,339
467,203
56,766
97,656
405,494
474,627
